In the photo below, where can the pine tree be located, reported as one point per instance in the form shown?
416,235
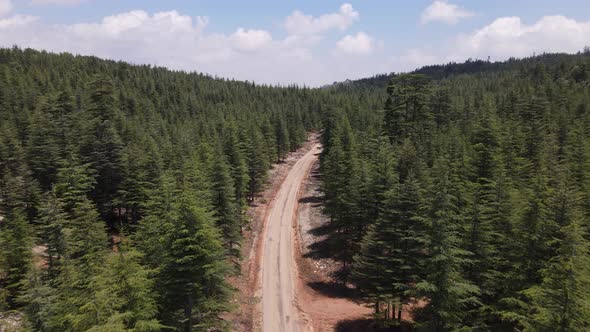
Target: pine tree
196,268
390,262
86,248
143,167
234,149
258,164
179,238
283,142
342,185
16,243
532,113
445,287
40,301
123,296
481,237
561,302
52,220
373,267
407,107
225,206
63,121
410,248
18,189
74,183
535,228
103,147
43,146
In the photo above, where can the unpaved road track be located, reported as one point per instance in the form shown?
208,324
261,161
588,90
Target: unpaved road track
279,311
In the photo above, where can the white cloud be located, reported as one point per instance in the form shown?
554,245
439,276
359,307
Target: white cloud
300,24
56,2
251,40
16,21
176,41
179,41
359,44
509,36
414,58
505,37
444,12
5,7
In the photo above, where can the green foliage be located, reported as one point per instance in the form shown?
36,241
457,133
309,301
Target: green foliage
92,148
491,163
406,112
227,210
448,291
85,254
52,221
124,296
180,241
463,186
561,302
16,241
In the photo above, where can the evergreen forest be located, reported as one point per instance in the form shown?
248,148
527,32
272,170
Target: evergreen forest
459,191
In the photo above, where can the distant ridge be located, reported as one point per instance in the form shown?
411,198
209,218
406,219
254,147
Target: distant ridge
470,66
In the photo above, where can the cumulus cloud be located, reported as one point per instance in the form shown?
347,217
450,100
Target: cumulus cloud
505,37
300,24
176,41
414,58
359,44
509,36
179,41
251,40
16,21
5,7
441,11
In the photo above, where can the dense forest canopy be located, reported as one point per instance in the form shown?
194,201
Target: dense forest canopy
92,151
466,200
464,186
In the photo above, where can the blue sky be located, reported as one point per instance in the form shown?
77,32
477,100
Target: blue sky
305,42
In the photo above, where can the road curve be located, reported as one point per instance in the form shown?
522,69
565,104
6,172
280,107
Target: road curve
279,312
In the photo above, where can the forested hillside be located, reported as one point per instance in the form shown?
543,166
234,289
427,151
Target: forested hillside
130,182
457,192
467,198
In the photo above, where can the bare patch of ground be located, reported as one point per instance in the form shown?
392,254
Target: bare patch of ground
326,301
11,321
40,256
314,230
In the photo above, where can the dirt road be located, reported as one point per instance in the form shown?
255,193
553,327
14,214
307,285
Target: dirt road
279,311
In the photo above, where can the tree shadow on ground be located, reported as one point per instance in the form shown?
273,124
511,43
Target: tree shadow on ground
317,200
333,289
324,246
319,250
369,325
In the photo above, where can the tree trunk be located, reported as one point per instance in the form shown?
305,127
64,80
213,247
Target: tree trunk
188,314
